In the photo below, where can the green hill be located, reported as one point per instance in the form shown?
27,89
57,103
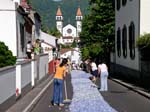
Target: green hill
48,8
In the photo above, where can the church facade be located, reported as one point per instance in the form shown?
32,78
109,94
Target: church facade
69,32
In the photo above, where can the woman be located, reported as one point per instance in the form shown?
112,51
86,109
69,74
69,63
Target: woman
103,71
58,83
94,71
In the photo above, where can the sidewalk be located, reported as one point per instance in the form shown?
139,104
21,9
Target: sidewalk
26,103
137,89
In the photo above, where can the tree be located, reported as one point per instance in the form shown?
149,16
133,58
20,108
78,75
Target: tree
74,44
98,28
55,32
6,57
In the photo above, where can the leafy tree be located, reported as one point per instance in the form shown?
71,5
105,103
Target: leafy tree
6,57
55,32
98,28
74,44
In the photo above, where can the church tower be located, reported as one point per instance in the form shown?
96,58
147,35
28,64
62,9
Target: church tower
59,20
79,18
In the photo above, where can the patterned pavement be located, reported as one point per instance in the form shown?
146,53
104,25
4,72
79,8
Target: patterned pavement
86,98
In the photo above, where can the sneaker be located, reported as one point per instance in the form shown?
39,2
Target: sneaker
54,104
61,104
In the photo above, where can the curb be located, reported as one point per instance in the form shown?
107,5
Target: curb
134,88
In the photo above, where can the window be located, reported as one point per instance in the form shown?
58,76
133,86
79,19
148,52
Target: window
118,4
22,37
132,40
69,31
124,2
119,42
124,41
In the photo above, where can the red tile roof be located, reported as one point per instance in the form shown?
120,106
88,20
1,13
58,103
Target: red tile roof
67,37
64,50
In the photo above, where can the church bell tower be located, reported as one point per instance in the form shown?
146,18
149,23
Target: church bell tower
59,20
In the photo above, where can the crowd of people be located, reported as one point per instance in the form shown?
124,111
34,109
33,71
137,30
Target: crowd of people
63,68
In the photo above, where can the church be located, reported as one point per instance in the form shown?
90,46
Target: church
69,32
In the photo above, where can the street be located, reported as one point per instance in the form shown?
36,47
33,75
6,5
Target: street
118,97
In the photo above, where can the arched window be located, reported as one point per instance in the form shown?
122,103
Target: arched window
132,40
118,4
124,41
119,42
124,2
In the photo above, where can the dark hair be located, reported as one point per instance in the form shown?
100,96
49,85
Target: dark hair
64,61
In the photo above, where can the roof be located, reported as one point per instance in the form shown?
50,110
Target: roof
58,12
77,38
67,37
48,39
64,50
79,12
48,44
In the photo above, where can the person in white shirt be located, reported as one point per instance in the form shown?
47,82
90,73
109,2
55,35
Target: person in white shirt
29,49
103,71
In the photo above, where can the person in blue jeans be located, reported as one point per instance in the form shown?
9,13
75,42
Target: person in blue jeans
58,83
103,71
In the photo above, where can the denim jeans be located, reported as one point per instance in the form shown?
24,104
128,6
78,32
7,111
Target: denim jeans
58,91
103,80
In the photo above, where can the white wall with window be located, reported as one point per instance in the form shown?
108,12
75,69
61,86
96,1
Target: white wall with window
126,32
131,21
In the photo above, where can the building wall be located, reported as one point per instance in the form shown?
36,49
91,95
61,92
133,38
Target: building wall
145,16
7,25
75,57
79,26
59,25
127,14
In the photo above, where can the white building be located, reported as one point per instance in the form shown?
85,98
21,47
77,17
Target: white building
47,44
132,20
73,54
17,26
9,24
69,30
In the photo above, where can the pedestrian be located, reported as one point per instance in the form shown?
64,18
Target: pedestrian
94,71
37,47
103,71
58,83
29,49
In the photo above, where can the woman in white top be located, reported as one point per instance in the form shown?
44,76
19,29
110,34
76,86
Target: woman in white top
103,71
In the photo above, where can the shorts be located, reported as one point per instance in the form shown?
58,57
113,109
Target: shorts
95,73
